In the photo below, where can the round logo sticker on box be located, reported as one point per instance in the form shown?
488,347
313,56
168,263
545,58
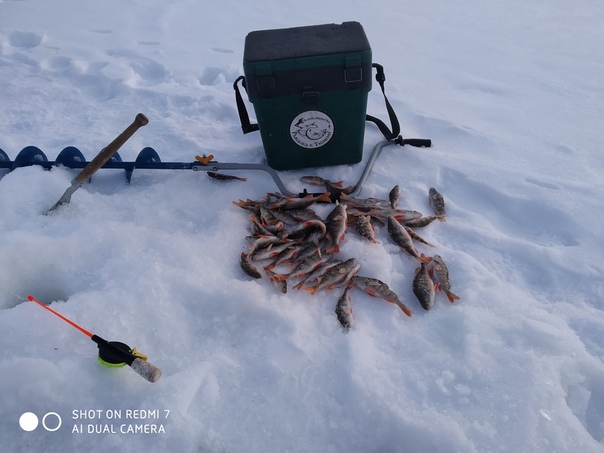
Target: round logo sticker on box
311,129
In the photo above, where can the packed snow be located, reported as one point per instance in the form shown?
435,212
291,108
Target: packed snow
510,93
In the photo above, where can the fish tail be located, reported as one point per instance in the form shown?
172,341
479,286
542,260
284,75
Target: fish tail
405,309
424,259
333,248
324,198
311,289
452,297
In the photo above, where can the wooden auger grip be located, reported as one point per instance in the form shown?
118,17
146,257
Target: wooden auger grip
106,153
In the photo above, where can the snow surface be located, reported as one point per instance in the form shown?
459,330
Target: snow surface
511,94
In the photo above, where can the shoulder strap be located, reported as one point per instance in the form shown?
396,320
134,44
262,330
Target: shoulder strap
393,134
246,125
396,128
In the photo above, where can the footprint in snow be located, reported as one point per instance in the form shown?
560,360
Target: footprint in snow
25,39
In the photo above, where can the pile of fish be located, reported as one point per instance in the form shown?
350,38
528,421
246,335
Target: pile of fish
298,245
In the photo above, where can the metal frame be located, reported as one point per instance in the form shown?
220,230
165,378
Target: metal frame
148,158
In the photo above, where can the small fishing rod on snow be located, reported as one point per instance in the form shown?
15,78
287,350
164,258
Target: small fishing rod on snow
113,354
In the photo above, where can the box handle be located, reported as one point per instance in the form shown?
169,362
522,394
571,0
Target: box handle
246,125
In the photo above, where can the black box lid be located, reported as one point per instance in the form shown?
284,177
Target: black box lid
297,42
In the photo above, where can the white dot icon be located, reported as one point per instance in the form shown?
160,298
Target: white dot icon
28,421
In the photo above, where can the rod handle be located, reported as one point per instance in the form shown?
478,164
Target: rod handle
142,367
417,142
106,153
147,370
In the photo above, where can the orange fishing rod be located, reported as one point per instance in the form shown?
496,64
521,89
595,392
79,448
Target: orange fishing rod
81,329
113,353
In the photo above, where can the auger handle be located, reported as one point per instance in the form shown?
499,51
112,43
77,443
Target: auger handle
106,153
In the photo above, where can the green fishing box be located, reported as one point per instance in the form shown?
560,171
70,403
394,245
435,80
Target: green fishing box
309,88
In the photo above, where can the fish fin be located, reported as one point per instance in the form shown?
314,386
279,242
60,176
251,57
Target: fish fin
371,293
